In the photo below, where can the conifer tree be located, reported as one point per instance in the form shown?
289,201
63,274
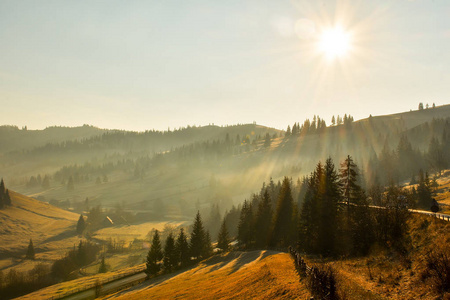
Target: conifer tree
182,249
328,199
245,226
223,239
30,251
207,247
102,268
81,225
7,199
424,191
170,255
154,256
281,234
198,237
263,220
349,181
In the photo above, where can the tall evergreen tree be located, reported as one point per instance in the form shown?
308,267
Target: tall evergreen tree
182,249
30,251
170,254
223,239
349,182
207,247
154,256
282,229
263,220
424,191
81,225
7,199
245,226
102,268
198,237
328,199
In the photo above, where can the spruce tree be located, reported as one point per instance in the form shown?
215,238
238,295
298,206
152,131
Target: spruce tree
7,199
349,181
263,220
102,268
154,256
182,249
207,247
328,199
198,237
81,225
245,226
170,255
281,234
30,251
223,240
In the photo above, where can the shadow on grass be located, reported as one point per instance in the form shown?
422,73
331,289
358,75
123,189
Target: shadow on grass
63,235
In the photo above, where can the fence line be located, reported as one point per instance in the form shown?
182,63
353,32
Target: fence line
322,283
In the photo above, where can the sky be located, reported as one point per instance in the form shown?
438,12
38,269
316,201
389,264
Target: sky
139,65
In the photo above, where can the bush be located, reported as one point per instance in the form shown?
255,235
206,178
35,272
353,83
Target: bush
437,268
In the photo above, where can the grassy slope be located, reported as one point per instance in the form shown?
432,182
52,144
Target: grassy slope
29,218
388,275
51,229
236,275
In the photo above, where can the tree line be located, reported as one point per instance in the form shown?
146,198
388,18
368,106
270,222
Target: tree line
332,216
179,251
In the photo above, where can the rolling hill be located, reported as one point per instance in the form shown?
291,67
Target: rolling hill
51,229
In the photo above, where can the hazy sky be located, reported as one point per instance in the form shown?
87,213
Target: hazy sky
156,64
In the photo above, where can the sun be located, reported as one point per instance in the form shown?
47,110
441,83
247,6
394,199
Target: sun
334,42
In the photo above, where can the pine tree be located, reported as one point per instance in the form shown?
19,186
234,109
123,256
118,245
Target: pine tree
349,181
154,256
424,191
245,226
102,268
170,255
328,199
267,141
198,237
281,234
81,225
2,194
263,220
207,247
288,131
7,199
30,251
223,239
182,249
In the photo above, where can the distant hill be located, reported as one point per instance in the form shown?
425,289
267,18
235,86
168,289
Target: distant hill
27,219
21,139
170,175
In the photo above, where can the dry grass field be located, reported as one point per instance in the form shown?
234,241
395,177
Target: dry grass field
51,229
235,275
390,275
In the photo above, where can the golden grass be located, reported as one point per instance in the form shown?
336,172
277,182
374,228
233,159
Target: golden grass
388,275
235,275
65,287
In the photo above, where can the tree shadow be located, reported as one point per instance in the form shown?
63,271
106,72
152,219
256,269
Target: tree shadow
249,257
63,235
